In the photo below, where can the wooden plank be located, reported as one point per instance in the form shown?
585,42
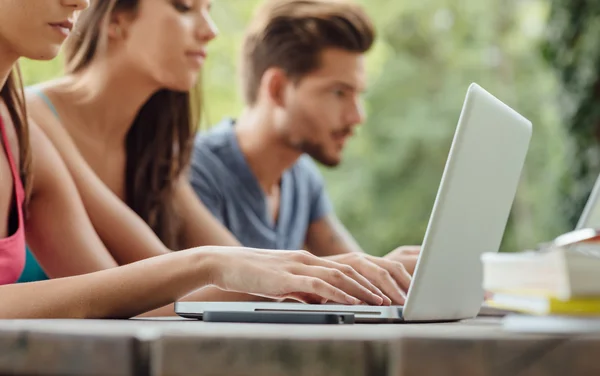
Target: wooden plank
466,356
574,357
496,355
33,353
77,347
178,355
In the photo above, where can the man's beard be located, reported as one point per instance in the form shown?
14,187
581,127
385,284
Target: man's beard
317,152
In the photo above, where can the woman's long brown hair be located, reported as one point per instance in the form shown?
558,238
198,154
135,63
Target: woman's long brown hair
13,96
159,143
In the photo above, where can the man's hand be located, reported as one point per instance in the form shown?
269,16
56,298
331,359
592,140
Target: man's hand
388,275
407,255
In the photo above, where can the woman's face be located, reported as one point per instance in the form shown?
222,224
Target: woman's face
167,39
36,28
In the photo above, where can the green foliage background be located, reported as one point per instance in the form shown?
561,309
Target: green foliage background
571,47
428,53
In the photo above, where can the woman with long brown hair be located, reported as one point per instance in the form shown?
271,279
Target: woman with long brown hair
123,119
40,201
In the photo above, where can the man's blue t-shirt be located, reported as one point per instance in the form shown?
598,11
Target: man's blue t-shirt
225,183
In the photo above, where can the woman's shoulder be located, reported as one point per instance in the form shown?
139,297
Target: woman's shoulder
39,103
42,112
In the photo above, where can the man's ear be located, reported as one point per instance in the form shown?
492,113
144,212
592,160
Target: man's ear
275,83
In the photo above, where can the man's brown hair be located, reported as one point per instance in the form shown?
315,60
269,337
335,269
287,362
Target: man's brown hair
292,34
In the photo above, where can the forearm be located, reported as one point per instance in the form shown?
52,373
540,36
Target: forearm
214,234
334,244
329,237
115,293
200,226
66,241
65,249
125,234
337,247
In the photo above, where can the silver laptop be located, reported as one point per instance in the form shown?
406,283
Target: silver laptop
590,217
469,217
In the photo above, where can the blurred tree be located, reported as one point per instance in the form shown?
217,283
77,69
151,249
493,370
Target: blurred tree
571,47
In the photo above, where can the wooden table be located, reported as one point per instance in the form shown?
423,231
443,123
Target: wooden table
185,347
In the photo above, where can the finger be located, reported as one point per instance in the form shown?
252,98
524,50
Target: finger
315,290
410,249
397,271
349,271
374,288
307,298
357,276
407,251
339,280
409,262
383,279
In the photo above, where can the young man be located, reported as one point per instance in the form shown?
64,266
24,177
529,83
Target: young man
303,73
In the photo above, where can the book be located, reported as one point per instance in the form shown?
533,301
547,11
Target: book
556,272
521,323
543,305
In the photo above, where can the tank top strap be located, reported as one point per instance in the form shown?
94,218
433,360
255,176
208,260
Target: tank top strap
19,191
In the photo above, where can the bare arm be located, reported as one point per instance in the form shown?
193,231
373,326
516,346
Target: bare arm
130,290
60,233
114,293
200,226
124,233
58,229
328,237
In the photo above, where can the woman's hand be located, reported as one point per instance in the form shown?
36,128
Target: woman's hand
390,276
297,275
407,255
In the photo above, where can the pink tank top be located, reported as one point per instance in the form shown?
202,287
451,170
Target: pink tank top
12,249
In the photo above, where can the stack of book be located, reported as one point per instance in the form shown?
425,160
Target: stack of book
561,278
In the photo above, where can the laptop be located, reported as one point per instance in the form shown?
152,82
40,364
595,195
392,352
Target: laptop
590,217
469,217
